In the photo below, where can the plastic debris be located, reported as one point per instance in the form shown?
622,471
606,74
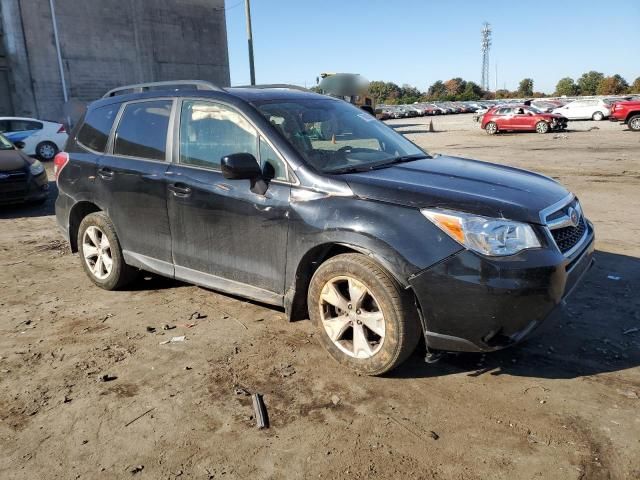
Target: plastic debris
262,419
181,338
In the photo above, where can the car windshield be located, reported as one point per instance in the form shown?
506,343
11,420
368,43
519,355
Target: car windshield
534,109
336,137
5,144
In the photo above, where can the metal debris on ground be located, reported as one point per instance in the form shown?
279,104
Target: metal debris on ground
262,419
241,391
139,416
106,378
181,338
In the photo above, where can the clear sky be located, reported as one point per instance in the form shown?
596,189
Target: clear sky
421,41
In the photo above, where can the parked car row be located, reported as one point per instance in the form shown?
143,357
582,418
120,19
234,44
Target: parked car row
421,109
41,138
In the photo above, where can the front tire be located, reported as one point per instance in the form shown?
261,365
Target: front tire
597,116
46,151
542,127
491,128
634,123
100,253
364,319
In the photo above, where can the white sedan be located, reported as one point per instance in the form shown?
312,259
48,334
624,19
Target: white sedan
587,109
41,138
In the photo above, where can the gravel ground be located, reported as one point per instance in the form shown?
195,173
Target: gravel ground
563,405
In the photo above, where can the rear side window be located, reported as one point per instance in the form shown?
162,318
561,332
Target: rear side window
94,133
142,131
24,125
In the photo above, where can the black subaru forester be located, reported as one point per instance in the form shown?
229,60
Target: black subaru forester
306,202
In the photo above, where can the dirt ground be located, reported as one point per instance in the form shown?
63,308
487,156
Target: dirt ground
564,405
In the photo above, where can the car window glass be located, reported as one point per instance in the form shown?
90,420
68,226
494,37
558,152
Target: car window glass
142,131
94,133
271,164
210,131
24,125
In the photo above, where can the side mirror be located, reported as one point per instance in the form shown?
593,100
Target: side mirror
19,144
240,166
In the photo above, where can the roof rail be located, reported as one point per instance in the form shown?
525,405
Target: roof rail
274,85
169,85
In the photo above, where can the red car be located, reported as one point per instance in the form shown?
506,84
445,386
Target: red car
627,112
521,118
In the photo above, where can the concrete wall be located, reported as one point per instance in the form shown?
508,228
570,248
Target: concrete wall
107,43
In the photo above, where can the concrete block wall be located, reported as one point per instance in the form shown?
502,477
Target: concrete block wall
107,43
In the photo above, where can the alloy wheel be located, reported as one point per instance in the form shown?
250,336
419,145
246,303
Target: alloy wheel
491,128
47,151
634,124
97,252
351,317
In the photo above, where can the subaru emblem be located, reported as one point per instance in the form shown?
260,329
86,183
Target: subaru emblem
573,215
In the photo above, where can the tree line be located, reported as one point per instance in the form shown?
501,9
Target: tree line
590,83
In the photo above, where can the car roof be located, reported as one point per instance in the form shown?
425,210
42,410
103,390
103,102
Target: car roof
247,94
25,118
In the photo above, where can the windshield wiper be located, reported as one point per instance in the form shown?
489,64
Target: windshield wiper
378,165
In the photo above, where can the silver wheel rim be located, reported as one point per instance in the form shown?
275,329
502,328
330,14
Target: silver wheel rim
47,151
491,128
542,128
97,252
635,124
597,116
351,317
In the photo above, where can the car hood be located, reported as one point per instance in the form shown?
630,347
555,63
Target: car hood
12,160
460,184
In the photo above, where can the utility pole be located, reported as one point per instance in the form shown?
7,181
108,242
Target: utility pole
485,45
250,41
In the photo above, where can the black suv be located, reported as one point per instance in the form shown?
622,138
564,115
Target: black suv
306,202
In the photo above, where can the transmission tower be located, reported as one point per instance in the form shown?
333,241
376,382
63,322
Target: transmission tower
486,45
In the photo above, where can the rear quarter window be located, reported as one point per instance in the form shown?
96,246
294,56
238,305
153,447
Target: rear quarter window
94,133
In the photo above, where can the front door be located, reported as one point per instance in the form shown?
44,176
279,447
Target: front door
225,235
131,184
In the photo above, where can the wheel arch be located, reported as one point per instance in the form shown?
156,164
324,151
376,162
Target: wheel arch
76,214
632,113
295,301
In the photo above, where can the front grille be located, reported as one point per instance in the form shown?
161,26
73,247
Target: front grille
566,238
13,185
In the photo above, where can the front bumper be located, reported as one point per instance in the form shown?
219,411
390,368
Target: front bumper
471,303
30,189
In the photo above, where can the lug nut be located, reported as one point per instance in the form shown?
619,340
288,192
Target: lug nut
358,311
349,306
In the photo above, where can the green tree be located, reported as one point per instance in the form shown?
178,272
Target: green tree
635,86
525,88
437,90
455,87
588,82
409,94
566,86
503,93
614,85
472,91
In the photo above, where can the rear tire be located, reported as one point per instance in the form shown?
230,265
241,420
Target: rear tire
491,128
100,253
46,151
597,116
376,326
634,123
542,127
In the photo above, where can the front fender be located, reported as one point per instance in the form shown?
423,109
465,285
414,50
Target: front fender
400,238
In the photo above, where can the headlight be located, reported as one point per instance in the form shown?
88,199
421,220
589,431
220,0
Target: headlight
488,236
36,168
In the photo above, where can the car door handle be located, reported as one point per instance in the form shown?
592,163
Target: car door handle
180,190
105,173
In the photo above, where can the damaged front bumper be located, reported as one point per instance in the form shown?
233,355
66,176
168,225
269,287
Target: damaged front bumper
471,303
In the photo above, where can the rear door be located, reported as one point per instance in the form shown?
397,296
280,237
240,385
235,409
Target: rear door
131,183
224,234
504,119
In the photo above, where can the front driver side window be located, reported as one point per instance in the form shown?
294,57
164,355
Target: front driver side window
210,131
